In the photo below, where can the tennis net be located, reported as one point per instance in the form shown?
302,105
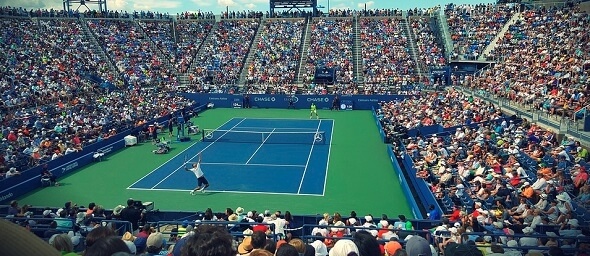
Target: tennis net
270,137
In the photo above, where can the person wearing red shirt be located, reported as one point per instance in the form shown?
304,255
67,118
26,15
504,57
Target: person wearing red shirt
259,226
580,179
11,137
476,210
455,215
76,140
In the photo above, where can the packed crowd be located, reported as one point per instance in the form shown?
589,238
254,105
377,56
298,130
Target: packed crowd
276,57
330,46
545,63
45,71
181,50
51,107
448,109
74,230
191,36
243,15
199,15
161,34
221,59
506,177
386,55
473,27
290,14
38,135
130,50
20,11
429,51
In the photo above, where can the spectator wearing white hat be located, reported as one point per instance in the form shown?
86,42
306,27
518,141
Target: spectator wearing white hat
564,207
344,247
542,203
240,213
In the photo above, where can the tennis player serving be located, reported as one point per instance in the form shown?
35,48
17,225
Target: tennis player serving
202,182
314,111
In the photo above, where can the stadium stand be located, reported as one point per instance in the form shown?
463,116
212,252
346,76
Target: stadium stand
474,26
550,80
276,57
222,55
504,184
386,56
331,47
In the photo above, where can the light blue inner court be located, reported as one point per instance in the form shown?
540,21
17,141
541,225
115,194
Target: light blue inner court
298,166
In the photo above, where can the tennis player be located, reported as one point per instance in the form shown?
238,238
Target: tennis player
202,182
314,110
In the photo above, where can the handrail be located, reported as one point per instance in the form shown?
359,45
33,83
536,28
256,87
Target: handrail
228,224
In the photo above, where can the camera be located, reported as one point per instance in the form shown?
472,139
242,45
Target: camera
138,205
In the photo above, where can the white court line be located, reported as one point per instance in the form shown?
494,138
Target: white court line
328,161
261,144
140,179
198,153
269,165
308,158
253,127
285,118
225,191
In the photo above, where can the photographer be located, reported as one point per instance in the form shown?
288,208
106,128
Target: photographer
132,214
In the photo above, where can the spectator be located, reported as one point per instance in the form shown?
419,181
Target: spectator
342,247
132,214
107,246
209,241
155,244
63,243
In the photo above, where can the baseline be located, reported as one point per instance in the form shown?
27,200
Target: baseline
193,157
173,158
225,191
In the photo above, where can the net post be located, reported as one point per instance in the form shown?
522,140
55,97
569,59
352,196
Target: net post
203,135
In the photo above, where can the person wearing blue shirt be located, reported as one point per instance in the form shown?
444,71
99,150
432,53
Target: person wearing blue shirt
433,213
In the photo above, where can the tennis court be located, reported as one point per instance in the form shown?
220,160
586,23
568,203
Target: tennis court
350,168
253,155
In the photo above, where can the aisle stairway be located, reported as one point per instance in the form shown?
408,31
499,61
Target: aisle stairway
99,47
164,57
420,70
303,51
250,55
357,53
184,78
500,35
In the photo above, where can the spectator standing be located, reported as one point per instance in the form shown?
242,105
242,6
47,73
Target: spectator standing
132,214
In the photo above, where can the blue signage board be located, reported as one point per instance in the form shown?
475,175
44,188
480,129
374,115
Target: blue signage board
363,102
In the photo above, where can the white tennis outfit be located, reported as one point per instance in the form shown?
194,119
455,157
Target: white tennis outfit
197,171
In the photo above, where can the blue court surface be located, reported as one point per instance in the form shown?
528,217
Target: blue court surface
253,155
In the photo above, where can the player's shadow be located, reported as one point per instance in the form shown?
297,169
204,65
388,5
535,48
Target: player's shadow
209,193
